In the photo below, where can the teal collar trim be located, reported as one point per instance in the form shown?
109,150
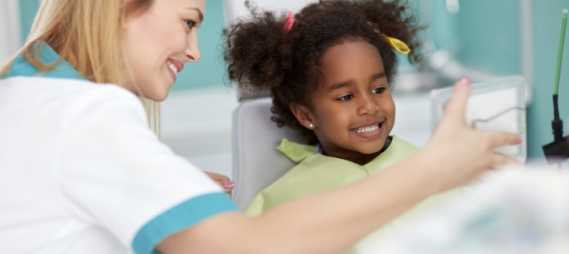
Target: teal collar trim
63,69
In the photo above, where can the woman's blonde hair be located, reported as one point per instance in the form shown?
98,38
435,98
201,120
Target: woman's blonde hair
89,35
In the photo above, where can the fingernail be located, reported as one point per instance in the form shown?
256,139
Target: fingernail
465,80
228,185
519,141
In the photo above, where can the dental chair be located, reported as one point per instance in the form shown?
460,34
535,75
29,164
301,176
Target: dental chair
256,161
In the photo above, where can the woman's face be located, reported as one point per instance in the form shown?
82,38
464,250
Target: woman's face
352,109
159,41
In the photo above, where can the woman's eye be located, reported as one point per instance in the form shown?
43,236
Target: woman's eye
379,90
190,23
345,97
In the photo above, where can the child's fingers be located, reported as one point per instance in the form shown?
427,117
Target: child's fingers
228,185
217,177
457,104
223,178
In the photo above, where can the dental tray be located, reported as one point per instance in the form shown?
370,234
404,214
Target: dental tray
497,105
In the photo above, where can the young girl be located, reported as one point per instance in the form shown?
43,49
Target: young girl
329,70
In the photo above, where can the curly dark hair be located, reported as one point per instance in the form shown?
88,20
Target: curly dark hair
260,55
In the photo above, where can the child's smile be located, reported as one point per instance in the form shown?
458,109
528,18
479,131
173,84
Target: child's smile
352,111
369,130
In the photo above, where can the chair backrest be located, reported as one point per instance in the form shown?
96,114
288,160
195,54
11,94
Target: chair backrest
256,162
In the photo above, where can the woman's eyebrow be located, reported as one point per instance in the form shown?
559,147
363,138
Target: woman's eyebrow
199,12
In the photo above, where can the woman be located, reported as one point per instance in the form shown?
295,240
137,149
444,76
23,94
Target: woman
82,172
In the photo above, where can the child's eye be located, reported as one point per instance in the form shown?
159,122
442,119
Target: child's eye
190,23
379,90
346,97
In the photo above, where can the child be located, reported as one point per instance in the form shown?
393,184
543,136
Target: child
329,70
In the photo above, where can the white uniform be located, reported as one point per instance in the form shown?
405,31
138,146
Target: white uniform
80,171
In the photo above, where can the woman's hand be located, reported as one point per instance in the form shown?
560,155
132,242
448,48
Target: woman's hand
462,153
223,181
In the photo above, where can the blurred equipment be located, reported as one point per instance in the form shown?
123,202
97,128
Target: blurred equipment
497,105
512,211
558,150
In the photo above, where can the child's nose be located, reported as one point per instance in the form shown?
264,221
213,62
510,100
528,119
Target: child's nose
367,105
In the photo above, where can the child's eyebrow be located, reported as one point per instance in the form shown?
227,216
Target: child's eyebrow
377,76
340,85
348,82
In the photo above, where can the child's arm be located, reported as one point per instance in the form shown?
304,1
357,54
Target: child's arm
333,221
222,180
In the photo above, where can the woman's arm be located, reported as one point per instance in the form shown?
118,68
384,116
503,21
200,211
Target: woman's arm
333,221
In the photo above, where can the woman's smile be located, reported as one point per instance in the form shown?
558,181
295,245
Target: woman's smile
174,67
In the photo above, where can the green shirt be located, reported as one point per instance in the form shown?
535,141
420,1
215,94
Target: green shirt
317,173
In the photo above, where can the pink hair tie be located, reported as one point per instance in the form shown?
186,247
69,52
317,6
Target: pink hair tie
289,22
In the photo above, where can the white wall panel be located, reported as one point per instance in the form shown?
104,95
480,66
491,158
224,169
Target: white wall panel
10,37
236,8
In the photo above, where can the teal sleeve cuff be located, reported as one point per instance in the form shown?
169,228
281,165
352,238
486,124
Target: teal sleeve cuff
180,217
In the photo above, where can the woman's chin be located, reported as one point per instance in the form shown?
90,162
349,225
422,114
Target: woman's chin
157,92
159,97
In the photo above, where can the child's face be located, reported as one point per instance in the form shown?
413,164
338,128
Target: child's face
353,112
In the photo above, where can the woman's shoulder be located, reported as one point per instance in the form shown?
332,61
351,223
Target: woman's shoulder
47,86
67,100
66,96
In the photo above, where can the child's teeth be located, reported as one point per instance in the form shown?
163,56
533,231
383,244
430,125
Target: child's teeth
368,129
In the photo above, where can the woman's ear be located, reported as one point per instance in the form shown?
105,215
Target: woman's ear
303,116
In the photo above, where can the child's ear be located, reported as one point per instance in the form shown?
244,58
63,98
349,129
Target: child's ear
302,115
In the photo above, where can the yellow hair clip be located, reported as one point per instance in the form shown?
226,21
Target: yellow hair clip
396,44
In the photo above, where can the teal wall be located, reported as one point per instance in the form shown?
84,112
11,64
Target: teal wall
28,9
491,30
484,33
209,72
546,29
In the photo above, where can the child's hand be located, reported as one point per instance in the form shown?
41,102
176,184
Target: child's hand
460,152
223,181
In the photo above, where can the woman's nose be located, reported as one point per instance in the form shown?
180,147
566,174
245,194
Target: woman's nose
192,50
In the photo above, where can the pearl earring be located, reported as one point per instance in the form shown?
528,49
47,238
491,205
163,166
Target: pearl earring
311,126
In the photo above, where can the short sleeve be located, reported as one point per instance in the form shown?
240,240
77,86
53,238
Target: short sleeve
114,172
